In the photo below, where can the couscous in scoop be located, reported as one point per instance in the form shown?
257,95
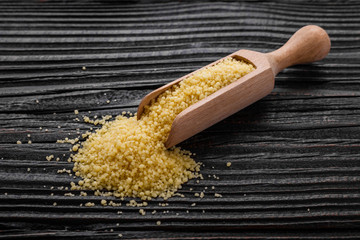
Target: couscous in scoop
309,44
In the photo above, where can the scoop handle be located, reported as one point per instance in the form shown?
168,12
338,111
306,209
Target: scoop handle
309,44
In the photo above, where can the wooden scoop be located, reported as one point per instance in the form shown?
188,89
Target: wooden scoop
309,44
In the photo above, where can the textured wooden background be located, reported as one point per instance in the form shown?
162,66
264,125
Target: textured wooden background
295,157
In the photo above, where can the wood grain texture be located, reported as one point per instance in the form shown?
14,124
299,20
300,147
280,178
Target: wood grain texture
295,170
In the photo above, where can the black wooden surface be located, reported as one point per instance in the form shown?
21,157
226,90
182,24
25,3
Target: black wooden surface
295,157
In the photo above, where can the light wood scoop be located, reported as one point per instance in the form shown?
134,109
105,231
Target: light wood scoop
309,44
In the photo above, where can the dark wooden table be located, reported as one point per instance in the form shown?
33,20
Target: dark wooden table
295,170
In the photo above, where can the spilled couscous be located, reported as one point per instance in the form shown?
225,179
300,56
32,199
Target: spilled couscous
127,156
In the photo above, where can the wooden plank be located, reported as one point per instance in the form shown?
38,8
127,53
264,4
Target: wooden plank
295,154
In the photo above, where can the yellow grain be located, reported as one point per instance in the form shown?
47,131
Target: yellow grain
89,204
128,157
218,195
142,212
49,158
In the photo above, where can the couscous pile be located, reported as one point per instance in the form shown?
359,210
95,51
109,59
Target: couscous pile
128,157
